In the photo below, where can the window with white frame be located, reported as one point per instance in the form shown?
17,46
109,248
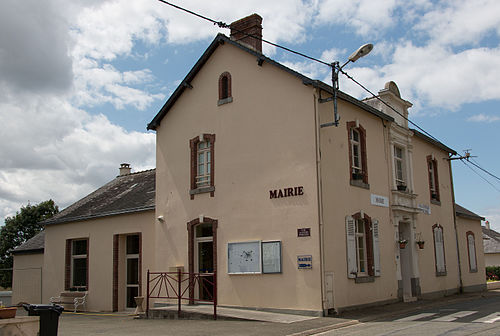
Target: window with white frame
358,170
399,166
471,248
437,232
202,164
363,256
433,178
357,166
204,161
79,263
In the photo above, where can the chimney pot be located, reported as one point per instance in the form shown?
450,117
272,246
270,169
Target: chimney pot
487,225
125,169
250,25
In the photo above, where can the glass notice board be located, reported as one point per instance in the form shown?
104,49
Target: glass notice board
271,257
243,257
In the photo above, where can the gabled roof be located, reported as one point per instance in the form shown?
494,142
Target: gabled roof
31,246
221,39
491,241
432,141
125,194
463,212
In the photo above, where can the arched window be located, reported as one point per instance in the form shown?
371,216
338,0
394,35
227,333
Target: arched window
225,95
437,233
471,248
358,169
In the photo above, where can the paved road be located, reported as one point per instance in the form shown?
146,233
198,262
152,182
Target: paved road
479,316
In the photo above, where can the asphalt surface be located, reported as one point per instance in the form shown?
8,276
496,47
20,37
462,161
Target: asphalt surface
124,324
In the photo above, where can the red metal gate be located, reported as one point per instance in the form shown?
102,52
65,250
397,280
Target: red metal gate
181,286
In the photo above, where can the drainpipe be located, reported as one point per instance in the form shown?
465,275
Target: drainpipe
320,200
461,288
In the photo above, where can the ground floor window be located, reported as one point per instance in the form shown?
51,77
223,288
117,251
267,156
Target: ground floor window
132,256
76,275
363,256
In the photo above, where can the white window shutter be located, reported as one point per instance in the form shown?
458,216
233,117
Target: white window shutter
376,248
350,228
439,245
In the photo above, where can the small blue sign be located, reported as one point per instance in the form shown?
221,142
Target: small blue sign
304,261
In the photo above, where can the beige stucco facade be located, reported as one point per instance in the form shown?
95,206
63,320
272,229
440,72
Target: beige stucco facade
27,278
492,259
100,233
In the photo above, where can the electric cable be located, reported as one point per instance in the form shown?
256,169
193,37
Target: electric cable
491,184
225,25
484,170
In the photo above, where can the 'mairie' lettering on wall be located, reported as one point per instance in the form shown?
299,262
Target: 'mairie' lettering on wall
286,192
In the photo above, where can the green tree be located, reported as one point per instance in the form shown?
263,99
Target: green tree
18,229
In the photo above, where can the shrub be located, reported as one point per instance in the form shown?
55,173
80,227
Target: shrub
493,273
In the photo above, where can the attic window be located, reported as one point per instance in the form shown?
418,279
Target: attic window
225,89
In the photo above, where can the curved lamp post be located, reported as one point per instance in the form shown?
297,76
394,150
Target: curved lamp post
336,68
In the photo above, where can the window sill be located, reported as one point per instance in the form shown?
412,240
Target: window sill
201,190
473,271
441,273
224,101
364,279
359,184
435,202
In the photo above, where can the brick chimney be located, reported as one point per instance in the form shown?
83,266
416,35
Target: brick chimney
125,169
250,25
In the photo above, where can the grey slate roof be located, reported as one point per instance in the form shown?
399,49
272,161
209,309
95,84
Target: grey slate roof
463,212
125,194
491,241
33,245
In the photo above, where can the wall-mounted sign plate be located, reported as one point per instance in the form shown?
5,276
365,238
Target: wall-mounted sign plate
304,232
304,261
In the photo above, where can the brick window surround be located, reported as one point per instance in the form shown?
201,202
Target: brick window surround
193,144
116,261
359,178
68,263
432,172
439,272
225,89
191,225
468,235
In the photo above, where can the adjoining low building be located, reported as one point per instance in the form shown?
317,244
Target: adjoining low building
103,243
491,241
257,189
470,245
28,270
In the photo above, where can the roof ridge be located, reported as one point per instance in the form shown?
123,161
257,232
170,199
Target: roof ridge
137,172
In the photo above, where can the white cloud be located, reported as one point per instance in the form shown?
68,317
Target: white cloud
367,17
461,22
483,118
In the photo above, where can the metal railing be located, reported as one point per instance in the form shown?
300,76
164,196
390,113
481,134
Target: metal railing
181,286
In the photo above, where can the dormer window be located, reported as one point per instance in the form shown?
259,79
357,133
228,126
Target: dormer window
225,95
357,154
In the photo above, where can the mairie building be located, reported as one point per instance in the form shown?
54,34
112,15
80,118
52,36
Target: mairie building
254,186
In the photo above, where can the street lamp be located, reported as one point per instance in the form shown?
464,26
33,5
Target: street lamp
336,68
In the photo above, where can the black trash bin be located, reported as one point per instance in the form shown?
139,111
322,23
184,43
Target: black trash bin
49,317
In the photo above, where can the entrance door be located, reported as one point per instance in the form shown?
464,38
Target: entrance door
205,265
132,258
405,255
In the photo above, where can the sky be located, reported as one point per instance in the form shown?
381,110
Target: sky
80,80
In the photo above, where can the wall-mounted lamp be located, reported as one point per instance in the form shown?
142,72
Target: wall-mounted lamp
161,219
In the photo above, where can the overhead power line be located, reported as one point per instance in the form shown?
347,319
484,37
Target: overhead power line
484,170
482,177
